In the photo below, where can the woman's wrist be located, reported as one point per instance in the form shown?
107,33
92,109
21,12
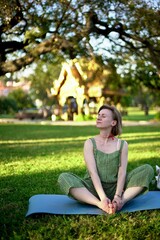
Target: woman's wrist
118,195
102,196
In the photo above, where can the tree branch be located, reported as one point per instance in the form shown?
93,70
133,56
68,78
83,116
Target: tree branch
55,42
14,20
94,26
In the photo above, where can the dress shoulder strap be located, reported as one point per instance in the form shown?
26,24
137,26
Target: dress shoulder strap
122,143
120,150
94,143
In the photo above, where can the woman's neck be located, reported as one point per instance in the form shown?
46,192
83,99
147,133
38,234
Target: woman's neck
106,135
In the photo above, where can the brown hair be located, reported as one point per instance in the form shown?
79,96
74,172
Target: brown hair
117,129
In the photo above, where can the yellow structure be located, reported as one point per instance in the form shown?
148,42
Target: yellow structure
73,81
83,82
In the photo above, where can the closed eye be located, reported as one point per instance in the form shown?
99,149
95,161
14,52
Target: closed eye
102,115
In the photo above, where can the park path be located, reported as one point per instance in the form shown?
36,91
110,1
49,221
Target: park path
72,123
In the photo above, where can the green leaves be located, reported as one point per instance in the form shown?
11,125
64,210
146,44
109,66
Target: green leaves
72,29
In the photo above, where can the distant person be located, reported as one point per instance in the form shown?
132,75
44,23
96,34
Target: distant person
106,183
72,108
146,110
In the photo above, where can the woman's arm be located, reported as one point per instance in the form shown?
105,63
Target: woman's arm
92,169
121,174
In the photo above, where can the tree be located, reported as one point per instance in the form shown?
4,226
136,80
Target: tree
96,69
8,105
21,98
42,81
30,29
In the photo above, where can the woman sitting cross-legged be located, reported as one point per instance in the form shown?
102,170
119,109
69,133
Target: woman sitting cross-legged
106,183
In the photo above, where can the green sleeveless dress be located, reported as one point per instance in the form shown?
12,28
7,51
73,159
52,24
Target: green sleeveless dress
107,167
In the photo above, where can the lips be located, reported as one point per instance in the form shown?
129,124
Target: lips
98,121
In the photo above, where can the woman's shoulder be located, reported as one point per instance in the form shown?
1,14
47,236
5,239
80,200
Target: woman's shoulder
90,141
123,143
88,145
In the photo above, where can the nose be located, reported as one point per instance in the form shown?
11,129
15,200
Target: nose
98,117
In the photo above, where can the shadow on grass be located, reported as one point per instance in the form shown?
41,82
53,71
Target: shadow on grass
39,132
19,151
58,150
16,132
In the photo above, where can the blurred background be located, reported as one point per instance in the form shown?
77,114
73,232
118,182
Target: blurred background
61,60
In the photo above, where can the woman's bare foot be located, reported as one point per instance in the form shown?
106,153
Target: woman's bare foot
112,208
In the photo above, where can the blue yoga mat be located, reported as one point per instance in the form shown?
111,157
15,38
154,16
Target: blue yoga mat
63,205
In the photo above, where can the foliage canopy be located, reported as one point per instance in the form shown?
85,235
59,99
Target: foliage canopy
125,30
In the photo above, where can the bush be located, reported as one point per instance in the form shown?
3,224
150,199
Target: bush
7,105
22,99
16,100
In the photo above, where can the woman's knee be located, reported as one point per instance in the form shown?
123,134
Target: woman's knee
62,178
142,171
149,169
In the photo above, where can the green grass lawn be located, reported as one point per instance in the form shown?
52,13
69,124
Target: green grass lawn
136,114
31,159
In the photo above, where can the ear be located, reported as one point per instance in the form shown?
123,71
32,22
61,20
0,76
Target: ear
113,123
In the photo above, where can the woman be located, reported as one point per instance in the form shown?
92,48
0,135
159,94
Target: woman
106,183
